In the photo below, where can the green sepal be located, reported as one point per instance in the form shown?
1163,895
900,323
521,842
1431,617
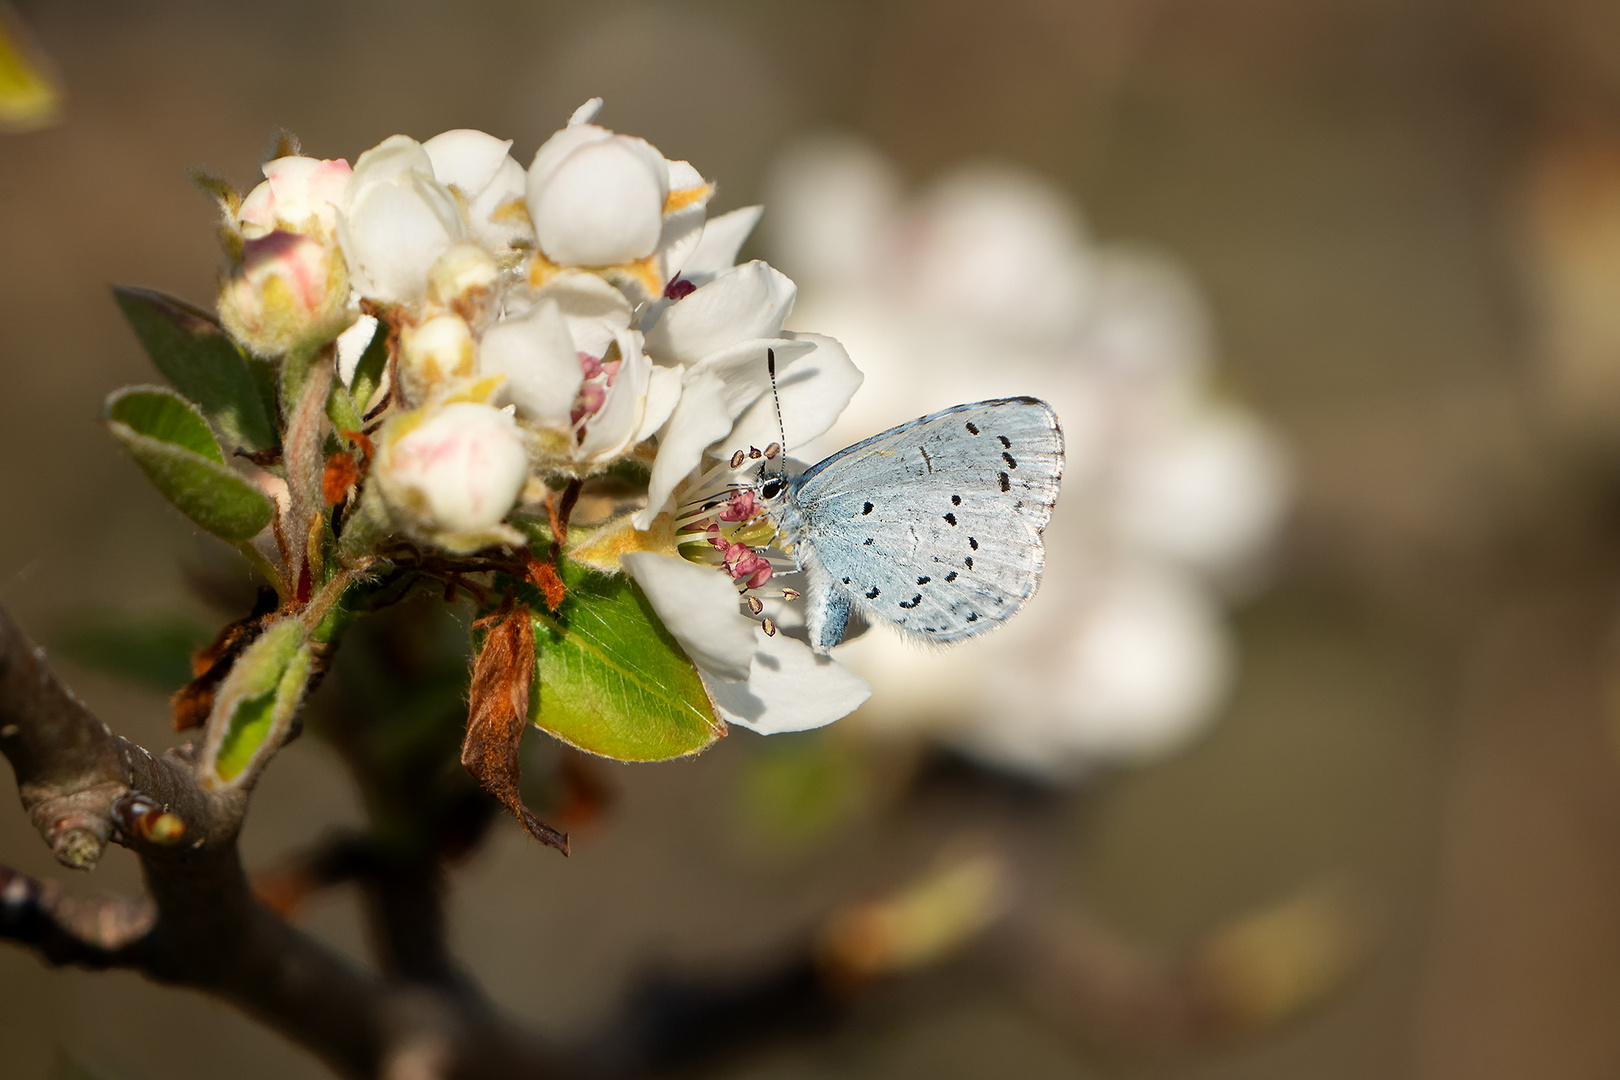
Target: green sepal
610,680
368,371
196,355
255,704
169,439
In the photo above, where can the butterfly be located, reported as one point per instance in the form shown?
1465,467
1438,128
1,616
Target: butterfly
933,526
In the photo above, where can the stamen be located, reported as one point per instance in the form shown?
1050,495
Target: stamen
772,451
753,452
790,594
738,458
754,606
769,625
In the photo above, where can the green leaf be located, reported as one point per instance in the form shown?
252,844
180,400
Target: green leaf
203,363
612,681
254,706
152,648
170,441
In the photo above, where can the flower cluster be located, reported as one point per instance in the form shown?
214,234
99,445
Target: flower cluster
538,327
987,285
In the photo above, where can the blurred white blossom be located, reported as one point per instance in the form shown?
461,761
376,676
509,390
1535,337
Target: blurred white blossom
988,284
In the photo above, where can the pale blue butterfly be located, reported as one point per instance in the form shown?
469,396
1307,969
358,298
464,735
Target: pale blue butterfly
933,526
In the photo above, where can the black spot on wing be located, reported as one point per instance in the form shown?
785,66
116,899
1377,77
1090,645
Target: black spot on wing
969,561
1006,443
913,602
973,543
956,500
873,594
1005,481
973,616
867,509
951,518
951,576
971,429
1008,458
924,580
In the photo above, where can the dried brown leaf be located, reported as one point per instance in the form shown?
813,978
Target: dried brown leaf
497,714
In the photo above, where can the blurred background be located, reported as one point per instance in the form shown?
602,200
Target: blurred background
1380,240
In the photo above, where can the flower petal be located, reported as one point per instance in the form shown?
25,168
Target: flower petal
466,158
749,301
814,389
594,310
393,232
698,606
384,162
586,112
789,688
612,429
351,345
537,355
601,204
663,391
744,371
717,250
700,417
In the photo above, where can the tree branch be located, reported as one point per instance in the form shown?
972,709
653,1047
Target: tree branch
201,927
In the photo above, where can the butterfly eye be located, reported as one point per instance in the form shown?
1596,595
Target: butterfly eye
771,488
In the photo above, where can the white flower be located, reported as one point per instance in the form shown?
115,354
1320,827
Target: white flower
451,473
986,286
613,203
596,198
720,335
299,194
397,220
576,371
768,683
491,184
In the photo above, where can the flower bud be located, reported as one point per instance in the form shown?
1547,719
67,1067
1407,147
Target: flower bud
290,288
596,198
299,194
451,470
432,354
460,274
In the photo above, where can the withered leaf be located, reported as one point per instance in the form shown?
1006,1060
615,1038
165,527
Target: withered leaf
498,711
209,665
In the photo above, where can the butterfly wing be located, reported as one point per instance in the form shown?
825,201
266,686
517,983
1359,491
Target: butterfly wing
935,525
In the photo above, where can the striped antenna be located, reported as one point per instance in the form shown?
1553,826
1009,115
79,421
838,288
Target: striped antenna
781,452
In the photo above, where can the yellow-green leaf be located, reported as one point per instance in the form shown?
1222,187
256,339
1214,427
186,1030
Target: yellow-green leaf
611,680
254,706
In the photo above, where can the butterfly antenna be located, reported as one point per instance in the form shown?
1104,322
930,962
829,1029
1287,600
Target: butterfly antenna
770,365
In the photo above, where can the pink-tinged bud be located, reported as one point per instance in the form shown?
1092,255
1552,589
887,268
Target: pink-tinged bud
299,194
452,470
289,289
596,198
433,354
